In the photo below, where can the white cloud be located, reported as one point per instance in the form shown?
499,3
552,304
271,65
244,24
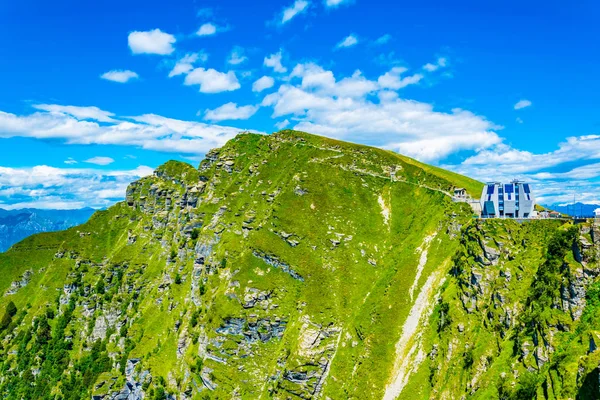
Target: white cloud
574,148
343,109
282,124
70,161
212,81
237,56
100,160
186,64
92,113
299,7
522,104
263,83
207,29
553,174
151,42
440,63
336,3
519,120
149,131
230,111
383,39
121,76
392,79
315,77
274,61
48,187
348,41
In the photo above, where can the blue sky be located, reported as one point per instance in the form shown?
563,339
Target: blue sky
96,94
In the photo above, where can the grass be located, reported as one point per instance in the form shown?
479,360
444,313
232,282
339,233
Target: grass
356,216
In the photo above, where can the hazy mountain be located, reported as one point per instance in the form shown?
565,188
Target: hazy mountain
16,225
291,266
576,209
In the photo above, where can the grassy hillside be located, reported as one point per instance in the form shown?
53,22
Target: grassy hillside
285,266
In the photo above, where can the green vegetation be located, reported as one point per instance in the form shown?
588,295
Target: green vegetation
293,266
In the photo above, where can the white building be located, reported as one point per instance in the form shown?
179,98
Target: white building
507,200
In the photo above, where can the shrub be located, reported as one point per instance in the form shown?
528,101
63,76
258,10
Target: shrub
11,309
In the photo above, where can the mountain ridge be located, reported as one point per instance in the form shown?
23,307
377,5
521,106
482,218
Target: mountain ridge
289,266
16,225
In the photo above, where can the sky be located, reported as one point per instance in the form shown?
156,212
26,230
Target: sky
94,95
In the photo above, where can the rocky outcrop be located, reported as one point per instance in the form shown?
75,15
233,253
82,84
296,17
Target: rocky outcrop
274,261
133,388
18,284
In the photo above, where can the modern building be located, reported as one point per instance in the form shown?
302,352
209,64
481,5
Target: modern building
507,200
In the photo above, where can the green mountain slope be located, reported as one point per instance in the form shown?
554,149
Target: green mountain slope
288,266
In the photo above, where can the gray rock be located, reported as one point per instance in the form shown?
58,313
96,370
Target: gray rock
275,262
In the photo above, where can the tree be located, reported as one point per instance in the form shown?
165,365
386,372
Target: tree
100,286
11,309
160,394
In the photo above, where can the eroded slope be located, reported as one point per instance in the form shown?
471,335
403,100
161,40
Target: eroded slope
286,266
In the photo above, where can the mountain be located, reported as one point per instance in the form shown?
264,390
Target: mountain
576,209
16,225
291,266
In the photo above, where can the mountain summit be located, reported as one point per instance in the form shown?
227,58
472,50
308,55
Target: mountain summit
292,266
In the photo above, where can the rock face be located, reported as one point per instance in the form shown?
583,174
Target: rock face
524,290
271,272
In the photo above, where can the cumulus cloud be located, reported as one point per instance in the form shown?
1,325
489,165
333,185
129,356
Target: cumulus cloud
237,56
282,124
315,77
212,81
100,160
70,161
149,131
82,113
393,79
299,7
383,39
263,83
574,161
336,3
345,109
121,76
274,61
230,111
46,187
151,42
522,104
348,41
207,29
186,63
440,63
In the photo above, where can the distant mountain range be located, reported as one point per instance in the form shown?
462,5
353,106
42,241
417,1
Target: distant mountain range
16,225
577,209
